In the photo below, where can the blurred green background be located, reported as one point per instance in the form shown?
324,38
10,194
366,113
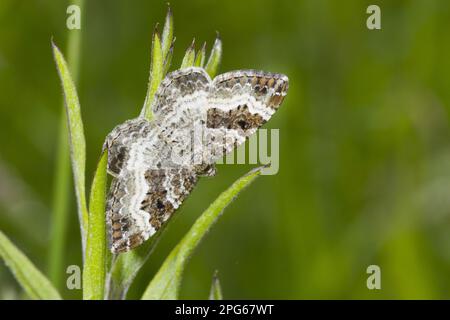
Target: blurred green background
364,141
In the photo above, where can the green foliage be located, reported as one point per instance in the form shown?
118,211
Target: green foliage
35,284
200,57
76,137
166,283
364,142
123,268
60,206
156,74
161,57
61,183
94,270
126,265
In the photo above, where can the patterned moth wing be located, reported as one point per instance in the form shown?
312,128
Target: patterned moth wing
156,164
144,191
238,104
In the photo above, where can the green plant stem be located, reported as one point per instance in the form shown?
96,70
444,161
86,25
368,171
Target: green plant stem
61,182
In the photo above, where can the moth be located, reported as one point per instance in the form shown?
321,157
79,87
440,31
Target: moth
156,164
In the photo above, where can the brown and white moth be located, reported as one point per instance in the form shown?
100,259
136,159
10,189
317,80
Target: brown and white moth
156,164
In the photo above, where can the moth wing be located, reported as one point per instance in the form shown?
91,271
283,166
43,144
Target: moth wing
141,201
180,109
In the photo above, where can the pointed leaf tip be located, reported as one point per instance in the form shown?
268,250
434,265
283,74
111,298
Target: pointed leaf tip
33,282
189,56
215,57
95,262
155,76
167,34
200,57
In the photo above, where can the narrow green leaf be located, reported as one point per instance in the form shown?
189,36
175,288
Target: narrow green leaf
61,183
94,269
76,138
35,284
125,266
216,290
168,60
214,58
155,77
166,283
167,34
200,58
189,56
